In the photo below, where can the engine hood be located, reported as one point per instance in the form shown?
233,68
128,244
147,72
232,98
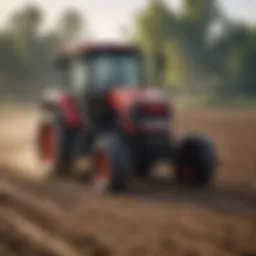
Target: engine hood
122,99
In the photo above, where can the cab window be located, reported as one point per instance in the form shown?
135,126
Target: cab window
79,75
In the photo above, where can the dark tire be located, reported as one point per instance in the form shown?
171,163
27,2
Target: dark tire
57,159
111,164
142,170
195,161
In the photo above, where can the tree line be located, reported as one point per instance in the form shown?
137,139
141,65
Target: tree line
27,53
196,50
203,50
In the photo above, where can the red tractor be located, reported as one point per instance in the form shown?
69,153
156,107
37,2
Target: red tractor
104,110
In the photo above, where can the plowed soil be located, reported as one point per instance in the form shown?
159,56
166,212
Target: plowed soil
65,217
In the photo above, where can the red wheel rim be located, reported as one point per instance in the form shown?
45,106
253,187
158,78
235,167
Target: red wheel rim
48,144
101,164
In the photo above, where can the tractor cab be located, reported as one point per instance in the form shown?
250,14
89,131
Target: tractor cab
93,74
101,67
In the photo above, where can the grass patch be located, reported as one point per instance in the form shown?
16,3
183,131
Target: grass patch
206,101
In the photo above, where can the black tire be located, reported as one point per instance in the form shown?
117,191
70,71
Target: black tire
116,178
196,161
62,162
142,170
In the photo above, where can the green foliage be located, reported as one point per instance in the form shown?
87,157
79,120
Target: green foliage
152,30
70,26
26,61
175,60
195,60
181,51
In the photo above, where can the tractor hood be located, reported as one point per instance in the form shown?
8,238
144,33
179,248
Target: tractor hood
123,99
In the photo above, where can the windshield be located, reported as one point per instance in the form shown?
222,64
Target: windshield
110,69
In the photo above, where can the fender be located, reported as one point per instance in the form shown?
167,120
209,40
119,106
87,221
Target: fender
65,104
69,110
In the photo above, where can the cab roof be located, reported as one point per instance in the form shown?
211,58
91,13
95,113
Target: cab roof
98,47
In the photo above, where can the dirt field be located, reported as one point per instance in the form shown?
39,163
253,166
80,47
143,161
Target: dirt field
62,217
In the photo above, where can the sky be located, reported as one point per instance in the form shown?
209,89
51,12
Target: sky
106,17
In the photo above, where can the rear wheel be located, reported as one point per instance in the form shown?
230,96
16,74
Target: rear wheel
111,164
55,145
142,169
195,161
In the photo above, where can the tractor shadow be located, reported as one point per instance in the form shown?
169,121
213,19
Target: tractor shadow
224,198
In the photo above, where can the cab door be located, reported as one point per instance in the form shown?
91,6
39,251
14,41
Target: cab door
79,83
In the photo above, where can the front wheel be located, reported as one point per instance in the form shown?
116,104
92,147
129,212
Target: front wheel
196,161
55,144
111,163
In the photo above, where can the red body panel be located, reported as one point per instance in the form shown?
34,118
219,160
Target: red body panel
121,99
69,110
150,100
